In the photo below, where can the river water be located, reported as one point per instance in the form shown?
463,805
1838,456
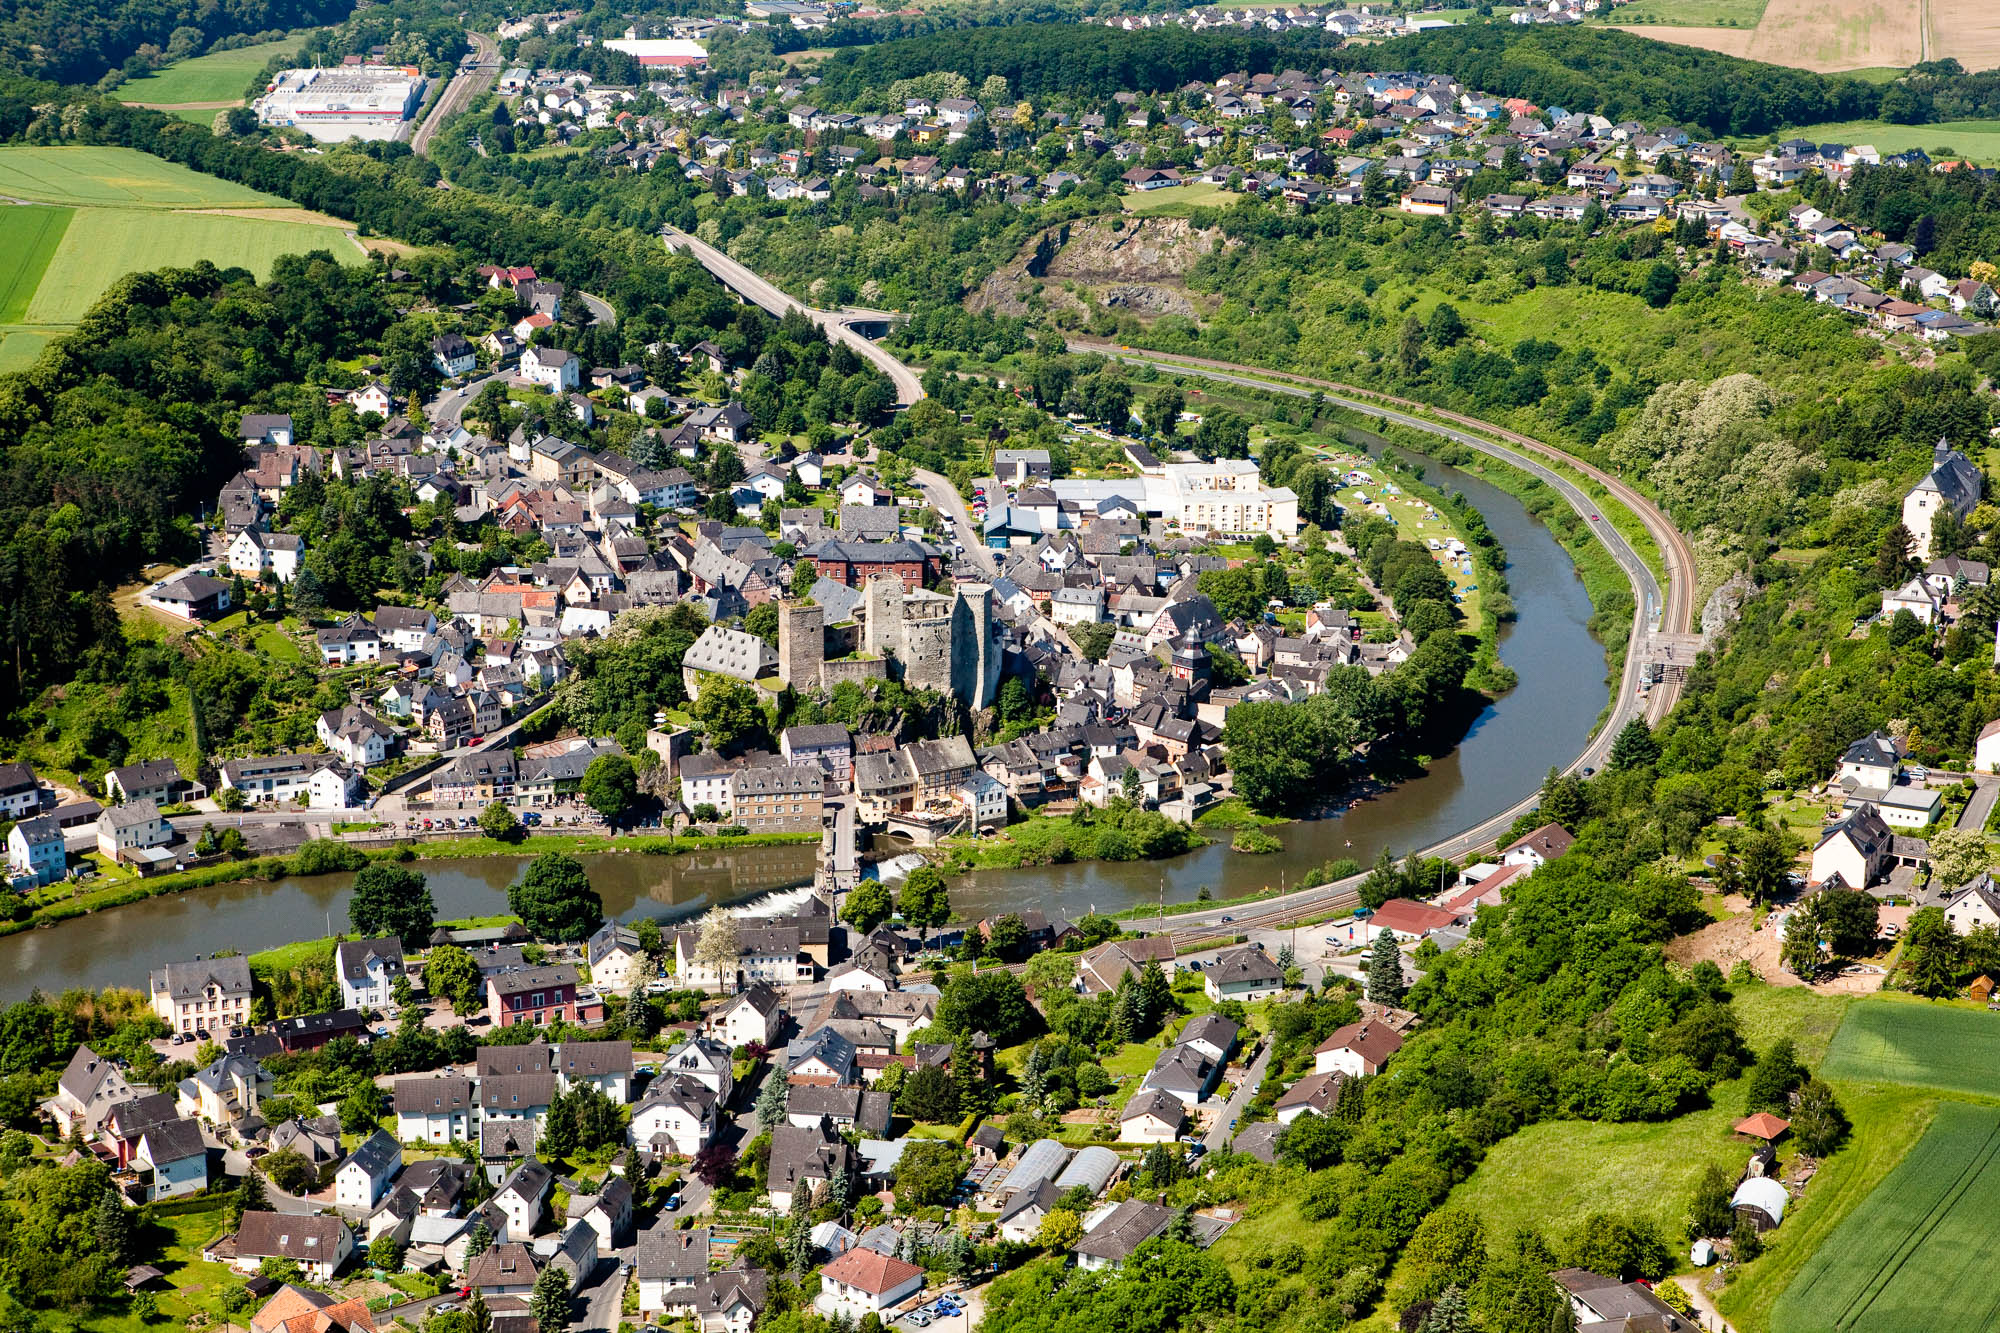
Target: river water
1543,722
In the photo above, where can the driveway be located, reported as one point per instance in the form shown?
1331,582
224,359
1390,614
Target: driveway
1218,1137
1985,791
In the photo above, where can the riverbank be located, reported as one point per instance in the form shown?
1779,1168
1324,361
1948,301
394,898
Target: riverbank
1087,834
330,857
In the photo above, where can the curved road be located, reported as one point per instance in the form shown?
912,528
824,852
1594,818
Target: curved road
1673,606
464,86
761,293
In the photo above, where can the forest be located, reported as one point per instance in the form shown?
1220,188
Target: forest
1039,58
79,41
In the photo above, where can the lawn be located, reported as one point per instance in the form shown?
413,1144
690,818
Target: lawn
219,77
1919,1254
276,643
122,176
1176,200
102,244
1978,140
1925,1045
28,240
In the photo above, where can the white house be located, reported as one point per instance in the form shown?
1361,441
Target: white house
254,554
368,971
352,640
550,367
1916,597
677,1116
35,851
1953,484
669,1265
131,831
1152,1116
1986,750
754,1015
1871,763
364,1177
1358,1050
374,398
355,734
604,1065
863,1281
1245,974
318,1243
522,1194
706,1062
434,1109
615,958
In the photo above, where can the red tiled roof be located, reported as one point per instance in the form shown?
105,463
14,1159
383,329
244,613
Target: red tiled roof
868,1271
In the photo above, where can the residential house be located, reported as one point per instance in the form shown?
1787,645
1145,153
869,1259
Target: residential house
615,958
1357,1050
1953,483
225,1090
36,853
87,1092
1315,1093
211,995
364,1177
670,1264
355,734
678,1116
319,1244
1246,973
862,1282
551,367
368,971
1537,847
755,1015
540,995
434,1109
190,597
1112,1234
1153,1115
604,1065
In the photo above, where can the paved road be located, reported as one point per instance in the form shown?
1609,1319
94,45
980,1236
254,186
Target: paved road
599,1298
599,308
761,293
944,498
1218,1136
448,408
458,94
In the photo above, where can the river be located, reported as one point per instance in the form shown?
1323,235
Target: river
1542,723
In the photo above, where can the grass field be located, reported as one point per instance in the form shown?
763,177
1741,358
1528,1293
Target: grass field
220,77
1691,13
1552,1175
1923,1045
28,240
20,347
1978,140
1918,1255
1177,200
124,177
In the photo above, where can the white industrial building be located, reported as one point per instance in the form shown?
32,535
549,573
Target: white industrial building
351,102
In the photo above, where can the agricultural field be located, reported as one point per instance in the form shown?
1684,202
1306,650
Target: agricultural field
1828,36
1918,1044
118,177
1919,1254
104,243
217,79
28,238
112,211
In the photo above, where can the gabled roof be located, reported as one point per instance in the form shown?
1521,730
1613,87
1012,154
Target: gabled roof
1549,841
866,1270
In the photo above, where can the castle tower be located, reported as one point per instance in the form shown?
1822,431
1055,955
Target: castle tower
801,644
882,607
975,664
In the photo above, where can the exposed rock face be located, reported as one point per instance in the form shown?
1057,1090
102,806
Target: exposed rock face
1134,264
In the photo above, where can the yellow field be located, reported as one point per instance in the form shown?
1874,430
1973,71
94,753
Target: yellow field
1967,31
1828,35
